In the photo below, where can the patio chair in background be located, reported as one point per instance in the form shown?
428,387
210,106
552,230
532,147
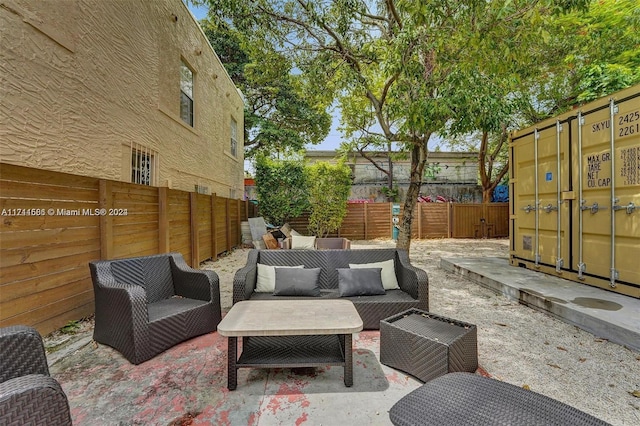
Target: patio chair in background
145,305
28,395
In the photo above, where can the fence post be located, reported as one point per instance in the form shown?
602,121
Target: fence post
227,216
214,237
195,245
105,201
239,223
366,220
163,220
450,223
419,220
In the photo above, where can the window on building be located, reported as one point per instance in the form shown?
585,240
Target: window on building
186,94
143,165
234,137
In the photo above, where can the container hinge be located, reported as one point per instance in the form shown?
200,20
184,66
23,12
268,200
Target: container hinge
614,277
549,208
559,265
630,208
528,208
582,267
594,207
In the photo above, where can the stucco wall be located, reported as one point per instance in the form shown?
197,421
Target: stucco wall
84,79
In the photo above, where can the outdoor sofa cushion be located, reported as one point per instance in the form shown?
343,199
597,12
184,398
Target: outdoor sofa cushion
297,282
360,282
389,280
266,281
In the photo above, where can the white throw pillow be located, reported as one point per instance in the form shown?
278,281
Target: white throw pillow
266,281
389,280
302,242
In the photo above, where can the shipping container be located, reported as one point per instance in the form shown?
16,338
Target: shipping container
575,194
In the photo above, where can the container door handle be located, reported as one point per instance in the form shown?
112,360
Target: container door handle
630,208
528,208
549,208
594,207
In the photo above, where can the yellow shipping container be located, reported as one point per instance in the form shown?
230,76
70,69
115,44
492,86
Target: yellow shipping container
575,194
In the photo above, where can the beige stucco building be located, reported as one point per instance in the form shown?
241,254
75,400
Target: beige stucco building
128,90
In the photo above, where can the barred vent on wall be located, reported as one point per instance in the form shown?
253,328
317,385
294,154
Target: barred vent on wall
144,165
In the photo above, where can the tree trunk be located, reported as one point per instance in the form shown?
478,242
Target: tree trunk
418,161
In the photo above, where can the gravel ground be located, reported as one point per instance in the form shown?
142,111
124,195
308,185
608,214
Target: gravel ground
516,344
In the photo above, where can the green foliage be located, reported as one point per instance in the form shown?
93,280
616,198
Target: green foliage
329,187
281,187
70,328
390,193
280,116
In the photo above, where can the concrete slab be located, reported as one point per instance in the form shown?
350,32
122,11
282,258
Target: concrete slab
606,314
187,385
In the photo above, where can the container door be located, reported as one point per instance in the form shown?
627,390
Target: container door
522,197
553,213
541,222
608,173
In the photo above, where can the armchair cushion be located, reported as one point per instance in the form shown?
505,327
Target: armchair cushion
302,242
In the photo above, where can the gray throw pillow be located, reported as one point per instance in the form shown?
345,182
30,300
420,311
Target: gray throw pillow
297,282
360,282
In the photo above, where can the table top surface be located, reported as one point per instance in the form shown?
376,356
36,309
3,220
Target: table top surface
290,317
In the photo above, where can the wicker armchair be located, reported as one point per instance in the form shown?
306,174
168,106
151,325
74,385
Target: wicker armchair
145,305
28,396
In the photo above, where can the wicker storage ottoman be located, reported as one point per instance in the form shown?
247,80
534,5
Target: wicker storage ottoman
427,345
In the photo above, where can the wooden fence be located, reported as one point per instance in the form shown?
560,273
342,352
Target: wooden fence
430,220
53,224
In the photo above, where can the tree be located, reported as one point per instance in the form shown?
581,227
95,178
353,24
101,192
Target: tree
281,188
280,117
329,187
388,62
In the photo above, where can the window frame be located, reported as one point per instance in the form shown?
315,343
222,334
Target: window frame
233,137
187,115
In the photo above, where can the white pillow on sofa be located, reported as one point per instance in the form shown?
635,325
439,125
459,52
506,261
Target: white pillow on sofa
389,280
302,242
266,281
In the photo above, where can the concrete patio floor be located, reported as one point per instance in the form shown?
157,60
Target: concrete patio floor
187,385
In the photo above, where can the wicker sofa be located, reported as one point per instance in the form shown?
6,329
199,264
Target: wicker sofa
145,305
413,282
28,395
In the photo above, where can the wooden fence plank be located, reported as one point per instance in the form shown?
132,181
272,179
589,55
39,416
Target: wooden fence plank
28,174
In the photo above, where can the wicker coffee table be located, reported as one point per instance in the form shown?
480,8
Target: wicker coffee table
290,333
427,345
